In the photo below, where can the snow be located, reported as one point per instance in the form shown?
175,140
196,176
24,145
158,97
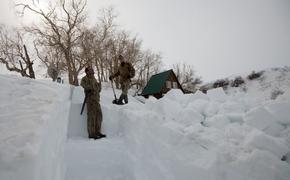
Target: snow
263,120
221,135
33,124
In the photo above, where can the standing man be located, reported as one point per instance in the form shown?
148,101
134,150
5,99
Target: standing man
92,90
126,72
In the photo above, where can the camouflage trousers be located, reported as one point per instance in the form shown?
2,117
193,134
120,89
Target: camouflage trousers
125,86
95,118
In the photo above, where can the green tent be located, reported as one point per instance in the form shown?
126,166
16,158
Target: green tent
156,86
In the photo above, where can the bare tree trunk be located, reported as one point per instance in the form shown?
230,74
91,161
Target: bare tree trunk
69,68
98,69
148,70
22,70
29,64
103,77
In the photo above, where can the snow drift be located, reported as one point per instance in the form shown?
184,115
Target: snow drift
222,135
33,124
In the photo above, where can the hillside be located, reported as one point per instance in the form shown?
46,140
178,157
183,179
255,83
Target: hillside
266,85
240,133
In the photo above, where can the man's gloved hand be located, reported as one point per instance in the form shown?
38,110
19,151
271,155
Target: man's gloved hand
111,78
128,76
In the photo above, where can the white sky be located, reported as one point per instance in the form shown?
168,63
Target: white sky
219,38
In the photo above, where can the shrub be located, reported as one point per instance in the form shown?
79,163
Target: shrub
276,93
204,89
221,83
237,81
255,75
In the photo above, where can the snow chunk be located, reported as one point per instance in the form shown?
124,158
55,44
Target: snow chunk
174,94
217,94
264,142
217,121
281,112
263,120
199,95
258,165
212,109
188,117
198,105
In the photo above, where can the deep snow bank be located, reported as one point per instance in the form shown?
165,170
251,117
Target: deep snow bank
218,136
210,136
33,123
214,136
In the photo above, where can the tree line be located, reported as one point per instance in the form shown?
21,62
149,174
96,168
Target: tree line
64,40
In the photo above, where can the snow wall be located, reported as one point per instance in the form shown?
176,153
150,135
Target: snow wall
33,124
77,125
211,136
51,160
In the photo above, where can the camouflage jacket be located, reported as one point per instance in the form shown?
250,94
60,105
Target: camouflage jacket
92,88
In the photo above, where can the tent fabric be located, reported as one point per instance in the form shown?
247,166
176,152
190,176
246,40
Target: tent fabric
156,83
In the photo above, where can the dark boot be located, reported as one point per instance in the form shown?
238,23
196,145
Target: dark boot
120,100
126,99
100,135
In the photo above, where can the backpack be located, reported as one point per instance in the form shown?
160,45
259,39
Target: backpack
131,70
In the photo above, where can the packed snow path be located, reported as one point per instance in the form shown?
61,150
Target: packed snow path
93,160
89,159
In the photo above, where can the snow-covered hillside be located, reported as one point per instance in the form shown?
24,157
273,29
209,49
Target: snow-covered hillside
215,136
272,83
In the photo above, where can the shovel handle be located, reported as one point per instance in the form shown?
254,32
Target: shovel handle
113,90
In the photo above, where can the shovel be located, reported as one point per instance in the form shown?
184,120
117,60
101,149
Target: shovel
115,100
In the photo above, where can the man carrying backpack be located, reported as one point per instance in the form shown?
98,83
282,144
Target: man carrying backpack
125,72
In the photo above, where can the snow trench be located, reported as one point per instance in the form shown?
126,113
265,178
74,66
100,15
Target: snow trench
95,159
216,136
213,137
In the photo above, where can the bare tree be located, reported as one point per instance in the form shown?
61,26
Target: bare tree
66,40
14,53
149,65
107,43
96,42
186,76
52,59
60,28
48,56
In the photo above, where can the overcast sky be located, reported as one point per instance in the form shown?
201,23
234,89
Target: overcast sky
218,37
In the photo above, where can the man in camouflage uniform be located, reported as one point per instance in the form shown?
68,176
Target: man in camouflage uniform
92,91
124,71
